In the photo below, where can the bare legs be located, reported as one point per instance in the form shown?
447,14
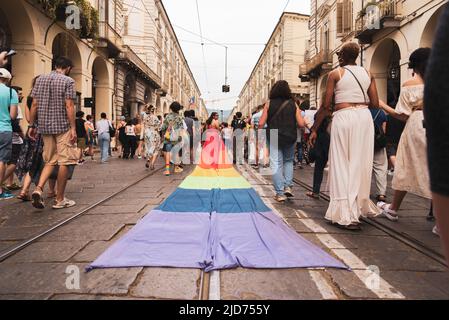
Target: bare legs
63,174
397,200
441,209
2,173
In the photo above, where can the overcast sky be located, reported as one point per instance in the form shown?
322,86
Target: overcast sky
227,22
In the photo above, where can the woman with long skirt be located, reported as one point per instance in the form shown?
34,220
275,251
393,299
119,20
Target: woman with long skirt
411,172
352,140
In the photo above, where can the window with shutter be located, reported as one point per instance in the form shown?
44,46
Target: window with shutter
344,17
347,27
339,18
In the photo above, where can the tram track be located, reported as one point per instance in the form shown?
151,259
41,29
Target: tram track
17,248
400,236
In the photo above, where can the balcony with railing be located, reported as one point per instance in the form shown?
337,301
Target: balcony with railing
129,57
113,39
314,66
375,17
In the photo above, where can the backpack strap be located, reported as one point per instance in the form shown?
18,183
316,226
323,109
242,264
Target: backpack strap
360,85
281,108
378,113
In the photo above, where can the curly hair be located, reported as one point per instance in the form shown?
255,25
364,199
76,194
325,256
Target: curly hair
175,107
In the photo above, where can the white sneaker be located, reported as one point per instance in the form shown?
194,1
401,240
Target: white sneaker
66,203
280,198
435,230
387,212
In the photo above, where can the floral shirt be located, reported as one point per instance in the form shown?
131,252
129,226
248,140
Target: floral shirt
174,121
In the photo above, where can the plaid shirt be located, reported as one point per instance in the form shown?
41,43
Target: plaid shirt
51,91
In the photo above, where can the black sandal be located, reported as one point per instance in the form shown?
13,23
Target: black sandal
351,227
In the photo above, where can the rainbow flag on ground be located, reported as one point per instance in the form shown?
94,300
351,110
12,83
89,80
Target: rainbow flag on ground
214,220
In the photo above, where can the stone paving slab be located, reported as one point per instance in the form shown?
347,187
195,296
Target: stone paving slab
114,218
48,252
92,251
393,259
350,285
128,208
280,284
37,278
79,231
18,233
91,297
29,219
42,296
420,285
4,245
95,248
168,283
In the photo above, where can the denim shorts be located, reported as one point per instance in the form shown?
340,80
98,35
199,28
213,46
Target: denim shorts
168,147
5,146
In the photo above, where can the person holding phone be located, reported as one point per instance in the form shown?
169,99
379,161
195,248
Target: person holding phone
9,102
4,57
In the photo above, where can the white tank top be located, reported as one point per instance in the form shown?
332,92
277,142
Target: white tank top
347,90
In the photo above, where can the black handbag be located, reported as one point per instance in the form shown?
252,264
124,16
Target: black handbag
111,130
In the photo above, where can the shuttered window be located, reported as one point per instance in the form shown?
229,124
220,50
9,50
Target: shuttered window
344,17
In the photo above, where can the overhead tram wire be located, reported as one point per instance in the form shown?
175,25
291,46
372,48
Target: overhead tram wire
130,11
202,47
286,5
223,44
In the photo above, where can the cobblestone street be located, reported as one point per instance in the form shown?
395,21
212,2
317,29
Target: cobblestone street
39,270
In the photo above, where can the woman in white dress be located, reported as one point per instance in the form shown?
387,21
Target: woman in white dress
411,170
352,139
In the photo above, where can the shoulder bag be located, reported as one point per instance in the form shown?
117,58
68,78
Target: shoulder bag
285,136
380,141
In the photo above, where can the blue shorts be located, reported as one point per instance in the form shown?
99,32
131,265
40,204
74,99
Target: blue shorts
5,146
167,147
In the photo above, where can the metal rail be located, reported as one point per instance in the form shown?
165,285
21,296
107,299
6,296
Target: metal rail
204,286
20,246
400,236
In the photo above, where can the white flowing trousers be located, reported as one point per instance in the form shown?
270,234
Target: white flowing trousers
351,163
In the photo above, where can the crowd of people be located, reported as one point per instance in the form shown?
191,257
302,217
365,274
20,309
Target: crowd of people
355,133
58,139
